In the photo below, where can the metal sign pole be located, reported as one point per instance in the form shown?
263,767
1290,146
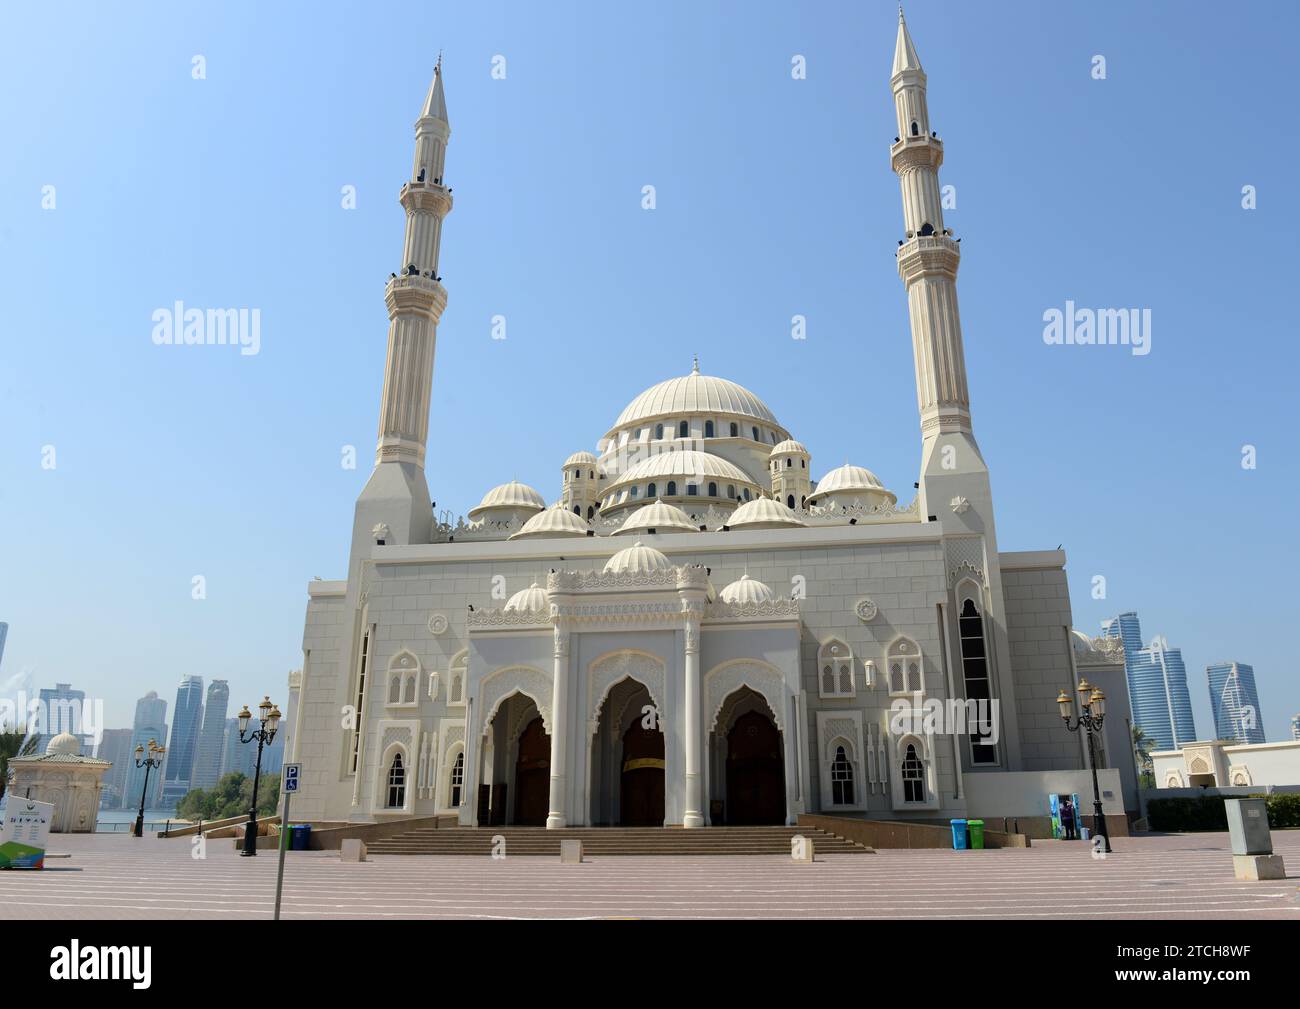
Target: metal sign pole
288,785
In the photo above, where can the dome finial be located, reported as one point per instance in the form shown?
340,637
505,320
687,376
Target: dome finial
695,365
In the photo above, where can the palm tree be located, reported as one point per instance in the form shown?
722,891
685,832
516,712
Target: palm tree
1141,750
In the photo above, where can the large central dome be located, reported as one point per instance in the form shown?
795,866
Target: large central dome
695,394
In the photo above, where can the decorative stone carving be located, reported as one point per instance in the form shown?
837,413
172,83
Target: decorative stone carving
500,684
723,681
438,624
775,609
609,670
964,555
380,532
866,610
959,505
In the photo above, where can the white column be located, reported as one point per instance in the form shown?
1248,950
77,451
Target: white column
694,813
556,818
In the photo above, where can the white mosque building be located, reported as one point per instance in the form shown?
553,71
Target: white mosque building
695,631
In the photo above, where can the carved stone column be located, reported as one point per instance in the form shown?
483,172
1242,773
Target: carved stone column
557,817
694,812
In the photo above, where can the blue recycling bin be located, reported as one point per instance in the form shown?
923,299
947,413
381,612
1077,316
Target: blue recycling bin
958,835
299,835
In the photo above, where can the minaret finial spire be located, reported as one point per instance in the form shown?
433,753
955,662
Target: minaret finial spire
695,366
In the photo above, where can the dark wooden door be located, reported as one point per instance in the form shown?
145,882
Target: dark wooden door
755,772
641,799
533,775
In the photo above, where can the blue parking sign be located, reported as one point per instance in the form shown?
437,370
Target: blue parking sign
291,772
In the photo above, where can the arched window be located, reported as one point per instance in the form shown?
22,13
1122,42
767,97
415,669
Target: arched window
789,500
408,695
683,429
913,776
394,690
659,431
590,511
916,130
904,663
577,509
650,491
836,661
396,783
731,491
789,463
713,489
692,490
841,779
974,666
708,429
636,491
735,429
672,488
457,779
803,463
456,679
755,431
803,501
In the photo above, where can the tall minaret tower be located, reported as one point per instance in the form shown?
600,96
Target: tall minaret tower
397,495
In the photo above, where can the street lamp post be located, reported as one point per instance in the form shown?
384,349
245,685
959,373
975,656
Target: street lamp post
269,717
154,759
1093,704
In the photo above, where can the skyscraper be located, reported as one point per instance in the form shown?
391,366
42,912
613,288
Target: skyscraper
1234,702
150,723
179,767
1157,684
1295,726
212,737
237,756
62,710
115,746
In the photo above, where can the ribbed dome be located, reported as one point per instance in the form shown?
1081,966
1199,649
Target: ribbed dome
763,513
747,590
509,495
789,447
695,394
637,560
64,742
847,479
554,521
580,459
657,516
685,465
529,600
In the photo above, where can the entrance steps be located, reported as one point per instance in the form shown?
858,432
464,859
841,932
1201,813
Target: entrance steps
612,841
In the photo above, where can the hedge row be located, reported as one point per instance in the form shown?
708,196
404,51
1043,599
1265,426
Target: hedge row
1207,812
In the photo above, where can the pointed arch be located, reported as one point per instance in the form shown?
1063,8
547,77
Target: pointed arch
726,678
608,670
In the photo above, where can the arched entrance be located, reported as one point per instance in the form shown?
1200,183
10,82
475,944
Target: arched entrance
755,771
533,775
641,799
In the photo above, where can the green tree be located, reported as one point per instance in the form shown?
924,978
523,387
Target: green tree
1142,751
11,744
231,796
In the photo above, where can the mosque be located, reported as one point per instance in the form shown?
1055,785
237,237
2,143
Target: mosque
695,631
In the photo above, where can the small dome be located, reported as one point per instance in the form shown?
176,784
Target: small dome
847,480
637,559
530,600
509,495
789,447
580,459
64,742
554,521
764,513
747,590
659,517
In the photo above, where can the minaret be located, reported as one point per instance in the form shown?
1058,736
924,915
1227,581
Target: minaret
397,494
928,257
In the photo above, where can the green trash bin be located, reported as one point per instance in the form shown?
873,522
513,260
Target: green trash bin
976,828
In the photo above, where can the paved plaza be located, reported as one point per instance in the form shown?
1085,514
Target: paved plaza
1173,876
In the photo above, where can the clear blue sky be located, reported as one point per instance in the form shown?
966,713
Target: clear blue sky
775,198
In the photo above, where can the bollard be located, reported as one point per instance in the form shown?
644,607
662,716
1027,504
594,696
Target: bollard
1252,844
570,852
353,849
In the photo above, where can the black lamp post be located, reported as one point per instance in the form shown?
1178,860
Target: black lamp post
154,759
1093,704
269,716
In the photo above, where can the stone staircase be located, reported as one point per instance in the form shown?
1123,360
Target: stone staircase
604,841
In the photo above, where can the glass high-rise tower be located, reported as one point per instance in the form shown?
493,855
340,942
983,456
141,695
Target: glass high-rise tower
179,768
1235,702
1157,684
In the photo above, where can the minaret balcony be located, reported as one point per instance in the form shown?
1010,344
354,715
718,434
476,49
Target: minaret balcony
915,152
927,255
412,292
430,196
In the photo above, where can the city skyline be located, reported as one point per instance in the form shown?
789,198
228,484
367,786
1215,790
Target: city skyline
237,506
1235,702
